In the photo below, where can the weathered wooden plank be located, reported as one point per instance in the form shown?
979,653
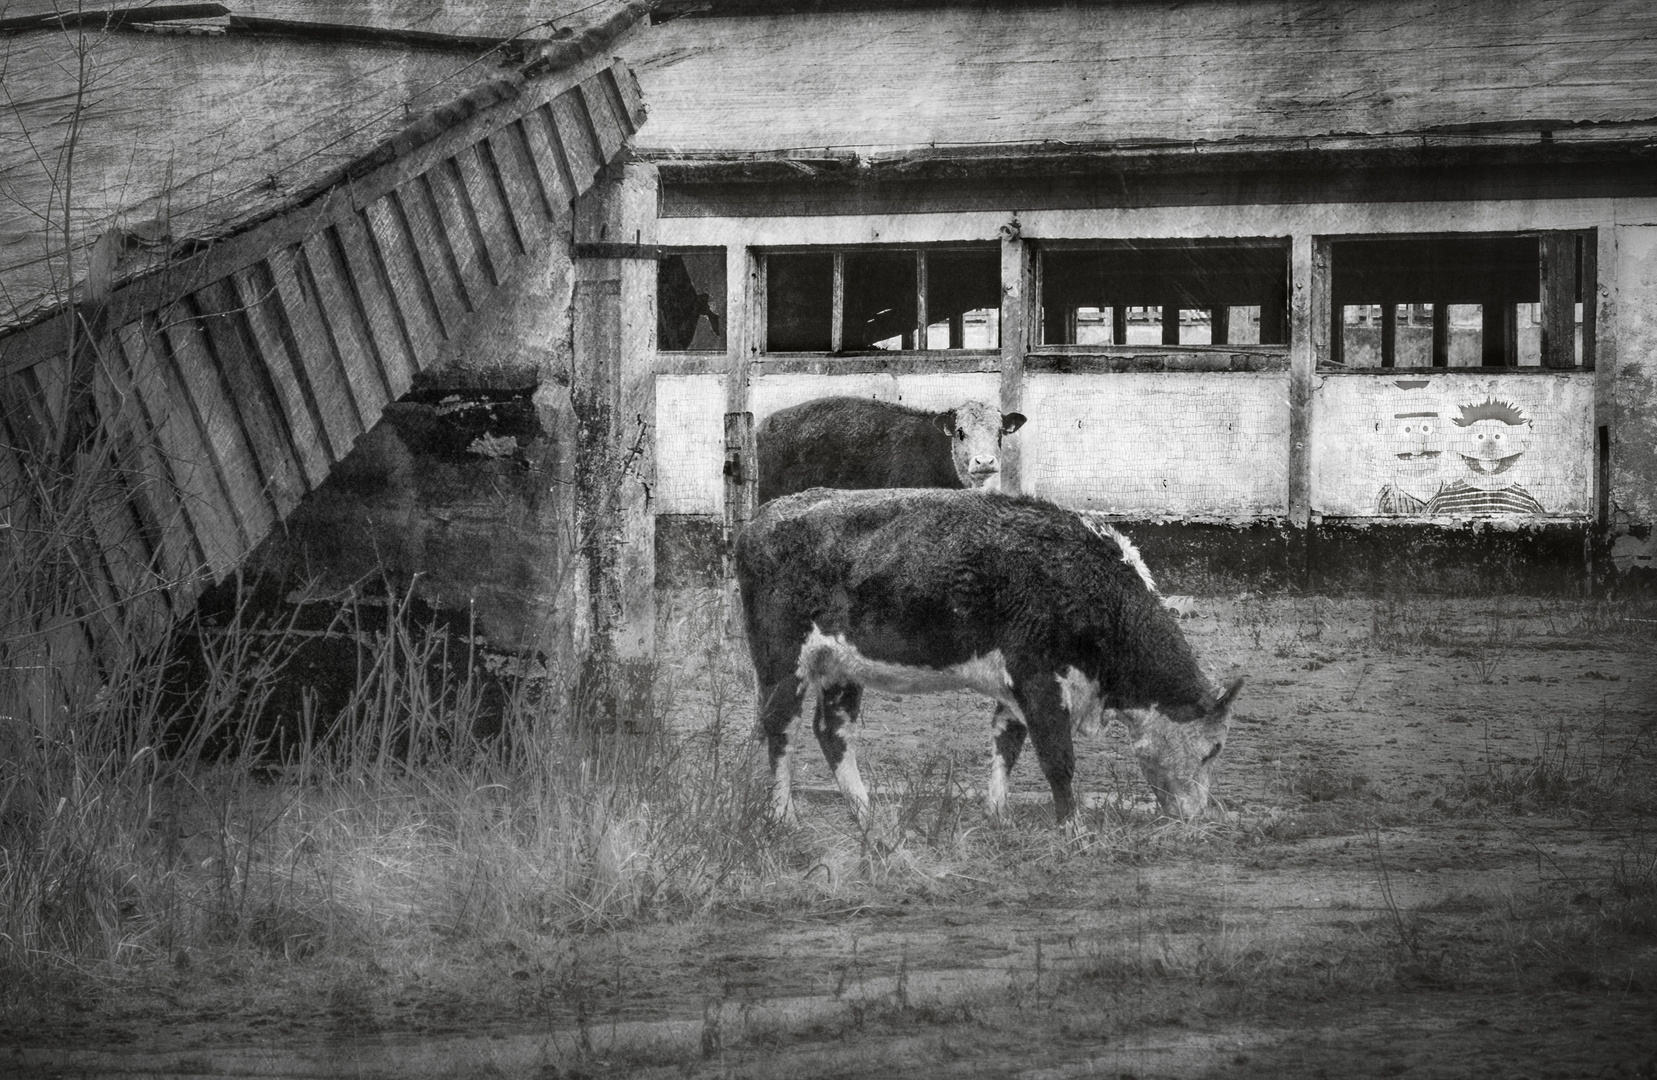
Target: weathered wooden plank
575,134
156,518
371,284
247,381
471,257
601,114
1559,291
210,401
506,158
317,360
546,150
406,275
255,291
1310,323
415,209
1441,335
1018,310
496,229
631,95
1588,293
205,503
1389,334
150,472
353,348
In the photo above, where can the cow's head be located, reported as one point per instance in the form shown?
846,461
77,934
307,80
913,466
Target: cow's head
1177,748
975,430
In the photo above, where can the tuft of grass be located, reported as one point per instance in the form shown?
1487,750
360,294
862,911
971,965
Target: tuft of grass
1570,771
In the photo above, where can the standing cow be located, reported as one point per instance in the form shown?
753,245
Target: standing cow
914,591
848,442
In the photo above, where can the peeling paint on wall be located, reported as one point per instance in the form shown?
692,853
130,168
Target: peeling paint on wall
1452,445
1166,445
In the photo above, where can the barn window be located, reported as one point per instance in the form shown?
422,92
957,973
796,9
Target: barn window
1166,292
690,300
1461,301
883,299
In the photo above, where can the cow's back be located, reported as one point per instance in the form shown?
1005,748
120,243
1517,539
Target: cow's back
851,444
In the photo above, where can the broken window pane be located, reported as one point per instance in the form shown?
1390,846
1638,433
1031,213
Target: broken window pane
1453,301
881,287
799,302
690,301
963,299
1118,292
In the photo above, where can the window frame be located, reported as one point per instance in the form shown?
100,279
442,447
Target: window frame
1276,353
837,300
1329,325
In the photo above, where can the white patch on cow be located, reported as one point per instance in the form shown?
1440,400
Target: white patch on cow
1098,526
782,785
1080,695
850,783
995,794
829,660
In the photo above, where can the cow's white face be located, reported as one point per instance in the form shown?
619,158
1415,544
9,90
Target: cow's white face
975,430
1178,758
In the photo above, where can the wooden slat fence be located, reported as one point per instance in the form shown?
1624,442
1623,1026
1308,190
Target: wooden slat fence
230,384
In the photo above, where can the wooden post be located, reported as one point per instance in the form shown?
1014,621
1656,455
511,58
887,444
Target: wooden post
1559,291
1499,330
1170,323
613,394
1018,306
745,303
1389,335
1119,325
1219,325
1441,335
1310,324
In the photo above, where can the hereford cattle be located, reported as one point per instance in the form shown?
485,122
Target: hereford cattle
848,442
916,591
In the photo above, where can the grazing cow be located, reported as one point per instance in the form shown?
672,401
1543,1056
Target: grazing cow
847,442
915,591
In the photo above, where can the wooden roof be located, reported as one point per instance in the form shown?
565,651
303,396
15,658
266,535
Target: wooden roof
931,79
196,127
168,423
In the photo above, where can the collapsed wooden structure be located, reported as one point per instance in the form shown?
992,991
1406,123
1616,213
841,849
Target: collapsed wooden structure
164,419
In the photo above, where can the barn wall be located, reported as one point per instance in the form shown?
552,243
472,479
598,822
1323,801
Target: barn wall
1357,433
1630,399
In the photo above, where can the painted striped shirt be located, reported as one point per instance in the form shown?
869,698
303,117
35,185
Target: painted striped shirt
1463,498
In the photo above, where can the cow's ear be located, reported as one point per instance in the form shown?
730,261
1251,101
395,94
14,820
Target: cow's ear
1011,422
1223,701
945,422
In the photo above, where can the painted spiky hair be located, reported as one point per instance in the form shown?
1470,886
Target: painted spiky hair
1489,409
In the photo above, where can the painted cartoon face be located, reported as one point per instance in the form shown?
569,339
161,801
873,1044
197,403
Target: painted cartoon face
1417,442
1490,439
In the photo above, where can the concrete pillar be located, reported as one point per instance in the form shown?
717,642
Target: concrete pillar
612,391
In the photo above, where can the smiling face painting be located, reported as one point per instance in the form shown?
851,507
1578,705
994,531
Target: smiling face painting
1412,434
1489,440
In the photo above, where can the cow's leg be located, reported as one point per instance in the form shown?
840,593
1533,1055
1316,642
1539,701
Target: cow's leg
1006,741
1049,724
833,724
779,708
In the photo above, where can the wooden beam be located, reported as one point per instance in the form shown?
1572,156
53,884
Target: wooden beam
1219,323
1119,325
1559,292
1018,309
1389,335
1498,332
1309,321
837,305
920,299
1170,322
1441,335
1588,294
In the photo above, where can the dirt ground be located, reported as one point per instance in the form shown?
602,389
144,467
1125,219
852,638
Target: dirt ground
1438,859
